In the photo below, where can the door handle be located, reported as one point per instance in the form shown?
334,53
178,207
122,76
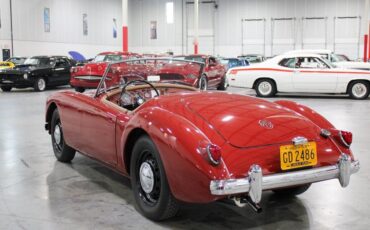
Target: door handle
59,69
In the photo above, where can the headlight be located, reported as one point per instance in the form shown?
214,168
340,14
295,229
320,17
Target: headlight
25,76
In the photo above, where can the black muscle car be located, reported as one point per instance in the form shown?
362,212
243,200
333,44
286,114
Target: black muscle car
37,72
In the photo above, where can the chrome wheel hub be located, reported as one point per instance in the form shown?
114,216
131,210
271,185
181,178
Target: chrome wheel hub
359,90
265,88
41,84
57,134
146,177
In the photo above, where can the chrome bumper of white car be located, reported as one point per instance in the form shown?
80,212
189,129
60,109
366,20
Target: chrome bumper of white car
255,182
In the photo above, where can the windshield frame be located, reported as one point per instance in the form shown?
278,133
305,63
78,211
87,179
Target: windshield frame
102,87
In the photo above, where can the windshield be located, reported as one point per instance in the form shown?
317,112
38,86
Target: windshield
39,61
151,69
17,61
192,58
108,58
254,59
338,58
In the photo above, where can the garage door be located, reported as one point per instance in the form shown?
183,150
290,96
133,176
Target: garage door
314,32
206,36
253,36
347,36
283,34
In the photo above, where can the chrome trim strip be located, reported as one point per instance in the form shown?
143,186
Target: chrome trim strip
91,78
342,139
341,171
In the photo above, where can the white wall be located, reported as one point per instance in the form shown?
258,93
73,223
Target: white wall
169,36
228,17
65,26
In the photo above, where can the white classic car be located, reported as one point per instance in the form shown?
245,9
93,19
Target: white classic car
300,72
335,59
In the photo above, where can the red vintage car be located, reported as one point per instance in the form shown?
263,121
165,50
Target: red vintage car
177,143
214,72
88,76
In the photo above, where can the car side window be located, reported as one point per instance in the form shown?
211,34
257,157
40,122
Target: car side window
61,63
212,61
310,63
321,64
288,62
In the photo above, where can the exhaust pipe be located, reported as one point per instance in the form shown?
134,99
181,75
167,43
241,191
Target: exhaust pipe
241,202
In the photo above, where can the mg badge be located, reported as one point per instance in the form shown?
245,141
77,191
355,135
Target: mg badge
266,124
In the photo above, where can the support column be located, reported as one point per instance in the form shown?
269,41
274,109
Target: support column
125,25
366,29
196,25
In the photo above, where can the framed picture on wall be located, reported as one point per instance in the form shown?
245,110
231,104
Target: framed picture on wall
153,30
114,28
84,25
46,19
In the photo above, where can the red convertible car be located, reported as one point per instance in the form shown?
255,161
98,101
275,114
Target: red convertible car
177,143
88,76
214,72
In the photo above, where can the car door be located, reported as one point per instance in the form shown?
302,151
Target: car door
61,71
312,74
98,130
212,71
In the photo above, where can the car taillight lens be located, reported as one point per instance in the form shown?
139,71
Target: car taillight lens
233,71
214,154
346,137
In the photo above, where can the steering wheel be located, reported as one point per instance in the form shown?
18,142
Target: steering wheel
138,100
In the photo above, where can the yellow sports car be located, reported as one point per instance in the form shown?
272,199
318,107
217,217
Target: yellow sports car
6,65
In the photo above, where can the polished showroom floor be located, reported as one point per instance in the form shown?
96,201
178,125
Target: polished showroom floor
37,192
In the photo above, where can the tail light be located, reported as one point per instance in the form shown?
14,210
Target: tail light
214,154
233,71
346,138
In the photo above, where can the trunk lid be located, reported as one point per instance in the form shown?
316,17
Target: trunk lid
250,122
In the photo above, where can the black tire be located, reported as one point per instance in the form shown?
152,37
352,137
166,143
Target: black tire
6,88
359,90
265,84
39,84
62,151
80,89
223,84
292,191
203,83
157,202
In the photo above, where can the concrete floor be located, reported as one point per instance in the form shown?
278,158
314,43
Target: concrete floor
37,192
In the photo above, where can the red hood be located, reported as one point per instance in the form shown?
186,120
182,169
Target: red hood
238,119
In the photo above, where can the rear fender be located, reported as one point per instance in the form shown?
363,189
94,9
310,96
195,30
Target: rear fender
307,112
180,145
317,119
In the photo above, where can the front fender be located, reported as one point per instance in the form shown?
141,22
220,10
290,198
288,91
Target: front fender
182,149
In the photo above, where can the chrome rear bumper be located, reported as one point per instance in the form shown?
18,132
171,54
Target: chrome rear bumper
255,182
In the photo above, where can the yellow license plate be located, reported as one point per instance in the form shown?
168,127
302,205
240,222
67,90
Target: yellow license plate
298,156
